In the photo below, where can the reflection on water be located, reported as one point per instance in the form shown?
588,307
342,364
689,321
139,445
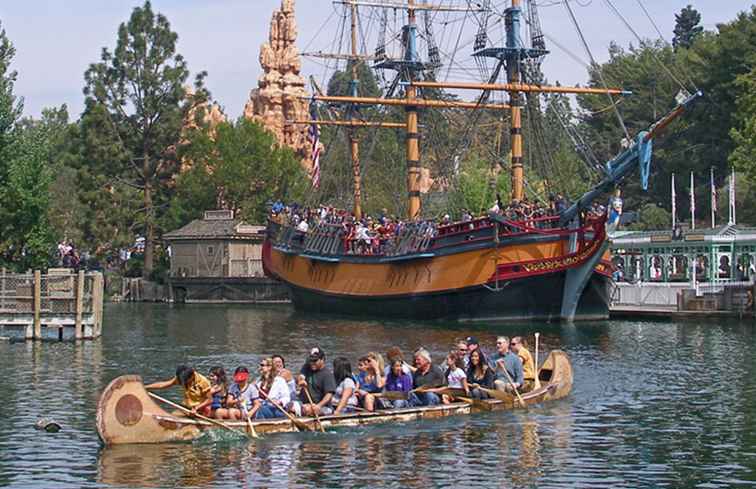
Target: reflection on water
654,404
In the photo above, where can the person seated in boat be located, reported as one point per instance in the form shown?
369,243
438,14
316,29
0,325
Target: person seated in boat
274,391
370,380
215,405
243,397
425,378
344,399
528,369
507,367
317,385
462,350
280,364
455,375
397,380
393,354
196,386
479,374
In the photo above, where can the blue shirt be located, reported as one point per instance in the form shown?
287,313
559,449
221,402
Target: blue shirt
512,363
372,387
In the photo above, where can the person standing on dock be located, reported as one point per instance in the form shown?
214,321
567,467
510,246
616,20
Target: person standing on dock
317,385
196,386
505,359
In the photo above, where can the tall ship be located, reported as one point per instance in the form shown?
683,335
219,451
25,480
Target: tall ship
509,263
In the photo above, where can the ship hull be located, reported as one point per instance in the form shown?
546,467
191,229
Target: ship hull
462,276
528,299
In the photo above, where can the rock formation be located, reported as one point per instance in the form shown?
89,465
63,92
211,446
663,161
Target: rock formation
281,96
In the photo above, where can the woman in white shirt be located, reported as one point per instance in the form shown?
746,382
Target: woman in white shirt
273,390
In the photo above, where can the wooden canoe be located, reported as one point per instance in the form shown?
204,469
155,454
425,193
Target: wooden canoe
127,414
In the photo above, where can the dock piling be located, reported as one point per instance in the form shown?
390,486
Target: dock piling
37,335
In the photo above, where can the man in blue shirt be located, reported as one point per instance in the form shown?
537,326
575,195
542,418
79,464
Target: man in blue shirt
504,359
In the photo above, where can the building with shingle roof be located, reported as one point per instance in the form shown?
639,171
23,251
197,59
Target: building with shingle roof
219,258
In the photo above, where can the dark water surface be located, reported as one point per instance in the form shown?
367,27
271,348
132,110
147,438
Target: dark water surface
654,405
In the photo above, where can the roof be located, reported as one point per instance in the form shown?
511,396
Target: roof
216,229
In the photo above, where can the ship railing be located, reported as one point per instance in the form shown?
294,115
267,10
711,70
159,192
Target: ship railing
324,239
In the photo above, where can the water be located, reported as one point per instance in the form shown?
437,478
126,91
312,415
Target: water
654,404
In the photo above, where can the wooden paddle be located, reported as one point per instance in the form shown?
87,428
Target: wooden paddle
511,382
251,428
535,366
317,418
301,426
197,415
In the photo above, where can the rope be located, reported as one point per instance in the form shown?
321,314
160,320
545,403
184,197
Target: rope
596,67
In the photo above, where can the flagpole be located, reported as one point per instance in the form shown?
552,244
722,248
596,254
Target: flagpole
674,203
713,197
732,198
692,204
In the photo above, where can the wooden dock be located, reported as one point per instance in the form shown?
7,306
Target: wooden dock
59,300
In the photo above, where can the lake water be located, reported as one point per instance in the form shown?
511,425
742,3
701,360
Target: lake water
654,404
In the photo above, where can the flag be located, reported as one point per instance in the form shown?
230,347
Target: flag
692,204
674,203
314,135
713,197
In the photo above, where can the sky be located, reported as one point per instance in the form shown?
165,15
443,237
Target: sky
56,40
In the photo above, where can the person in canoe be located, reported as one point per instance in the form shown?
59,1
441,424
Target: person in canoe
528,368
479,374
243,396
507,366
280,364
344,399
215,405
398,380
273,390
197,388
317,385
371,380
456,378
427,376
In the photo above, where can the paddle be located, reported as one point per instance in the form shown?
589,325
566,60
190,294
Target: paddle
317,418
251,428
301,426
537,380
197,415
511,382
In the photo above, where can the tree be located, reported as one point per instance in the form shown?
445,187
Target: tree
136,106
687,27
25,236
235,166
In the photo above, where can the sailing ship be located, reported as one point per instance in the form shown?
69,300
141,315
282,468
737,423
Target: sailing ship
494,267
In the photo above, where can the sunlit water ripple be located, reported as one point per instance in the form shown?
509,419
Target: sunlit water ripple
654,404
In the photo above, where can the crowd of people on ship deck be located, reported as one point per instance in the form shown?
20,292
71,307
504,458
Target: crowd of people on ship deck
374,235
379,383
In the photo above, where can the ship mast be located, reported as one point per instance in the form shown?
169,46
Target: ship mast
514,44
413,138
354,147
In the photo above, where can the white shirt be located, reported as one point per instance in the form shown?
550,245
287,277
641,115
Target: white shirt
303,226
455,377
279,391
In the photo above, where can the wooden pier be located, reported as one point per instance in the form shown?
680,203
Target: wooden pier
57,300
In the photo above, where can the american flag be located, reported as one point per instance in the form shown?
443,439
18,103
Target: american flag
314,134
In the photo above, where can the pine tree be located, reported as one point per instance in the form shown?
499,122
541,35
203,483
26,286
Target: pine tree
687,27
136,105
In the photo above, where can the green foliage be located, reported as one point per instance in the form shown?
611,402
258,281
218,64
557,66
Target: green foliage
340,83
235,166
652,216
743,157
136,106
687,27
